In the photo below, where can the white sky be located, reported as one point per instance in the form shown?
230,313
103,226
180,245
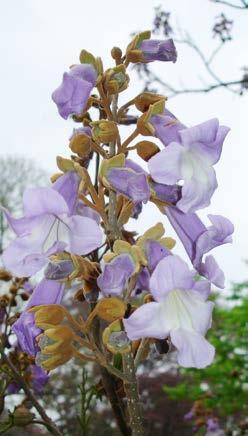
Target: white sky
41,38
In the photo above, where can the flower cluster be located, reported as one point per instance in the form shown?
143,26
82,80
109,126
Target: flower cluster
76,231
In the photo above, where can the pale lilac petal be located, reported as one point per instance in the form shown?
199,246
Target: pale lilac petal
217,234
165,166
86,211
211,270
171,273
72,95
197,192
24,258
194,351
85,235
67,186
193,311
115,275
195,236
84,71
207,138
40,201
203,287
205,132
147,321
20,226
39,378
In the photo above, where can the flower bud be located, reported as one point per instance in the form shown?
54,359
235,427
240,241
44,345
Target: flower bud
48,315
104,131
145,99
116,54
80,141
56,339
116,79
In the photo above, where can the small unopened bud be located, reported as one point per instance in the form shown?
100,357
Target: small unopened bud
5,275
105,131
145,99
22,416
116,53
80,141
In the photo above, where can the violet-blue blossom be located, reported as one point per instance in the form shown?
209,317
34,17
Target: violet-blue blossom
72,95
199,240
191,160
131,181
158,50
49,225
115,275
179,312
46,292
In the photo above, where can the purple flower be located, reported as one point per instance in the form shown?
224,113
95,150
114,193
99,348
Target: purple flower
179,312
157,50
49,226
46,292
115,275
72,95
191,159
130,181
199,239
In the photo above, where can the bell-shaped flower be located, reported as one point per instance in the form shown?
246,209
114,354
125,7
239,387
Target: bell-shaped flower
191,160
179,312
46,292
49,225
131,181
199,240
115,275
72,95
158,50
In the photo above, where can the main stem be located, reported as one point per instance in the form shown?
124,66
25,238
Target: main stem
131,387
132,393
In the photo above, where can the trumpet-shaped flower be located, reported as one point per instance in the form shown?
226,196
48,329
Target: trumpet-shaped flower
49,225
179,312
46,292
191,160
72,95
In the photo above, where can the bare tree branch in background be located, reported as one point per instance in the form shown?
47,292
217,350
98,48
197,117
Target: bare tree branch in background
16,174
221,30
243,4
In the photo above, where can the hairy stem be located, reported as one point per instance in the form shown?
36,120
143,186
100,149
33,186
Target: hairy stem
133,401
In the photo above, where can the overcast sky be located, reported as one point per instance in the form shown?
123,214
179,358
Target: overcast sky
41,38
